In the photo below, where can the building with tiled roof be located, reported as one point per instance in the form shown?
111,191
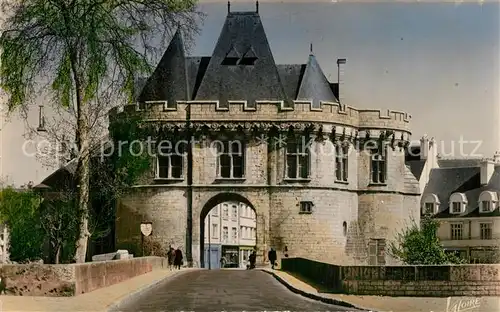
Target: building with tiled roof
461,193
339,198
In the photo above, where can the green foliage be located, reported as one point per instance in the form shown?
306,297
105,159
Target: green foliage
59,220
19,210
113,175
420,245
33,221
89,51
85,45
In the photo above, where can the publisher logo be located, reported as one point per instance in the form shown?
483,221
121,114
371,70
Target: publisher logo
462,304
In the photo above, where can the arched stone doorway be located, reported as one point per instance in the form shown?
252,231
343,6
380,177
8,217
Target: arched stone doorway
209,205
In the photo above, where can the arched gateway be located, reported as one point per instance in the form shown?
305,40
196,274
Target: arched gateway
327,181
231,197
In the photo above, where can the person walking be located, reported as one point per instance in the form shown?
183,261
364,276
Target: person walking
178,259
171,257
252,259
271,255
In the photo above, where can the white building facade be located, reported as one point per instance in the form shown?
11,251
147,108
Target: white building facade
230,235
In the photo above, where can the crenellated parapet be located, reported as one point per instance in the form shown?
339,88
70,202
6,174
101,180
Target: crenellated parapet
327,115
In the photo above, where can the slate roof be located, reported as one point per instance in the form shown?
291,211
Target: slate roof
416,167
241,67
413,161
445,181
62,176
455,163
411,184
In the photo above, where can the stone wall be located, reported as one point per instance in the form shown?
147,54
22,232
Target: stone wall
370,212
422,281
59,280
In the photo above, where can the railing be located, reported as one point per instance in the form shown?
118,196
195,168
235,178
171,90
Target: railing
405,280
324,274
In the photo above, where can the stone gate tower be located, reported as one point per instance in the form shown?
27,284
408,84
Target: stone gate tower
326,180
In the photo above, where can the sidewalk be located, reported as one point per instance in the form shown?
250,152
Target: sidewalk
382,303
97,300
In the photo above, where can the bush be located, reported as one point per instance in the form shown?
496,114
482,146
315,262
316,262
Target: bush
420,245
19,211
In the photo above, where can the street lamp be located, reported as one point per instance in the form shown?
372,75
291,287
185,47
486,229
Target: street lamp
209,245
41,120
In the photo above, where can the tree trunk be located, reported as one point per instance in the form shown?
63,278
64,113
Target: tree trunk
58,253
83,168
83,173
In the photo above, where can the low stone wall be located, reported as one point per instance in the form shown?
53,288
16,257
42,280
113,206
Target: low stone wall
56,280
422,281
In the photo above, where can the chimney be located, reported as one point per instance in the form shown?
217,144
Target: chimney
496,158
424,147
340,78
487,169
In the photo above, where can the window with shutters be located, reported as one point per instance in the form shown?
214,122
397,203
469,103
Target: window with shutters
225,234
378,167
297,160
215,230
486,230
169,161
341,161
234,215
376,251
456,231
230,160
235,235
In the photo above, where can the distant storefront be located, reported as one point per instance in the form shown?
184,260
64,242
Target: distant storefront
230,256
245,252
212,257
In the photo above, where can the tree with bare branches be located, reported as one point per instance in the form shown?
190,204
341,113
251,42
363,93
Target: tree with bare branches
80,56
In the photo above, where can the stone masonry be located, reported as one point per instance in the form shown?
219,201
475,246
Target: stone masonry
244,106
371,211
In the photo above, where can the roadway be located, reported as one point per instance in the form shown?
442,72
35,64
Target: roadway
224,290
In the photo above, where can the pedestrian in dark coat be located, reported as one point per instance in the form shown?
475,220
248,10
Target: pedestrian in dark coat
171,257
271,255
178,259
253,259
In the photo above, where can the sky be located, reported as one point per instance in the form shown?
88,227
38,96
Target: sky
437,61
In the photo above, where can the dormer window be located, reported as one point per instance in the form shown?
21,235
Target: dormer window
249,58
430,204
458,203
487,201
232,57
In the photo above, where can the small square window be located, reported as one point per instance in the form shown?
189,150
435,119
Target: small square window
486,206
429,208
456,207
306,207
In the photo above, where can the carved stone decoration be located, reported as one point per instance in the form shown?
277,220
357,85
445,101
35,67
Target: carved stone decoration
343,136
319,135
333,134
